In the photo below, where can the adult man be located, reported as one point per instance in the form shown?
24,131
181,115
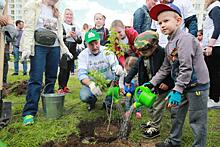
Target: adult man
94,57
19,27
142,20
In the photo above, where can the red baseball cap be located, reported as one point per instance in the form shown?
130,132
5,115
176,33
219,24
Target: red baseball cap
159,8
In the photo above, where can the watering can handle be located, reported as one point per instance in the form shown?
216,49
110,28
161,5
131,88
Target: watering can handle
137,90
45,87
142,88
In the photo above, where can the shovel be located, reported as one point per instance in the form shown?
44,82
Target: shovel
2,50
5,108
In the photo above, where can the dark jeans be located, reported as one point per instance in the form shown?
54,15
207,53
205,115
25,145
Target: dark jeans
64,74
86,95
46,59
192,24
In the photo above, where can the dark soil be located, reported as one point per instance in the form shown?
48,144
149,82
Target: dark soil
103,135
18,87
94,134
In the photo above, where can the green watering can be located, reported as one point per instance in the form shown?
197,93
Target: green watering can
114,91
144,96
2,144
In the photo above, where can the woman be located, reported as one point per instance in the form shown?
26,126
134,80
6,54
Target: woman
211,43
42,40
72,38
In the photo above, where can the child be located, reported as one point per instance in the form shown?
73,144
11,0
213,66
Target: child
129,63
126,36
148,64
185,61
99,20
200,36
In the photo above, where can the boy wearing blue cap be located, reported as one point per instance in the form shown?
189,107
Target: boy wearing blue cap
185,61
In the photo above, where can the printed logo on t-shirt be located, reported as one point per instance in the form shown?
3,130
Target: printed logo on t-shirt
50,24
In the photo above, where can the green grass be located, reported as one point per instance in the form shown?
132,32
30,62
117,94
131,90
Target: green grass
17,135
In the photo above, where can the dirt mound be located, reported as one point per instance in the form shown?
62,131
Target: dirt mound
94,134
74,141
18,87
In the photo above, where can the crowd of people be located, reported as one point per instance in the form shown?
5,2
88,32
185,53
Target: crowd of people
165,52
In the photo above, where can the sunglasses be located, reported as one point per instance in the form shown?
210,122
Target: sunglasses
146,47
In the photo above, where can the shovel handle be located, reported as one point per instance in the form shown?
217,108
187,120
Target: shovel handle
2,48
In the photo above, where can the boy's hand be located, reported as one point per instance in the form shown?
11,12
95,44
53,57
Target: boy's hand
174,98
149,85
95,89
163,86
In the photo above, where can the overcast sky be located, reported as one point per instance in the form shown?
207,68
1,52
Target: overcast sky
84,10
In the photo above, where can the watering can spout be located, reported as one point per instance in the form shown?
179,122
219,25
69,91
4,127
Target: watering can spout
116,100
137,105
144,96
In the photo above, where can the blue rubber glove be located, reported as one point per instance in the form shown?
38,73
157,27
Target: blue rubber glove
149,85
174,97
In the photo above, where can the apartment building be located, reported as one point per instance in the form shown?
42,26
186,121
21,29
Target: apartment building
16,8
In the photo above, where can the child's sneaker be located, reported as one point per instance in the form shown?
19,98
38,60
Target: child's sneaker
151,133
146,125
138,115
61,91
66,90
28,120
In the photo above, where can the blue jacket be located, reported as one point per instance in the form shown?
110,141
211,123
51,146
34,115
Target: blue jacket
142,20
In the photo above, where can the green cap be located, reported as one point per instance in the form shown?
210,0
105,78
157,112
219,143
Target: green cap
145,38
91,36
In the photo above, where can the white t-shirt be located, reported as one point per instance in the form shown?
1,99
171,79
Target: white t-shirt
48,21
103,62
68,29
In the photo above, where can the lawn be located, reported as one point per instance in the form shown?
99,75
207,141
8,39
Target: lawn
44,130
